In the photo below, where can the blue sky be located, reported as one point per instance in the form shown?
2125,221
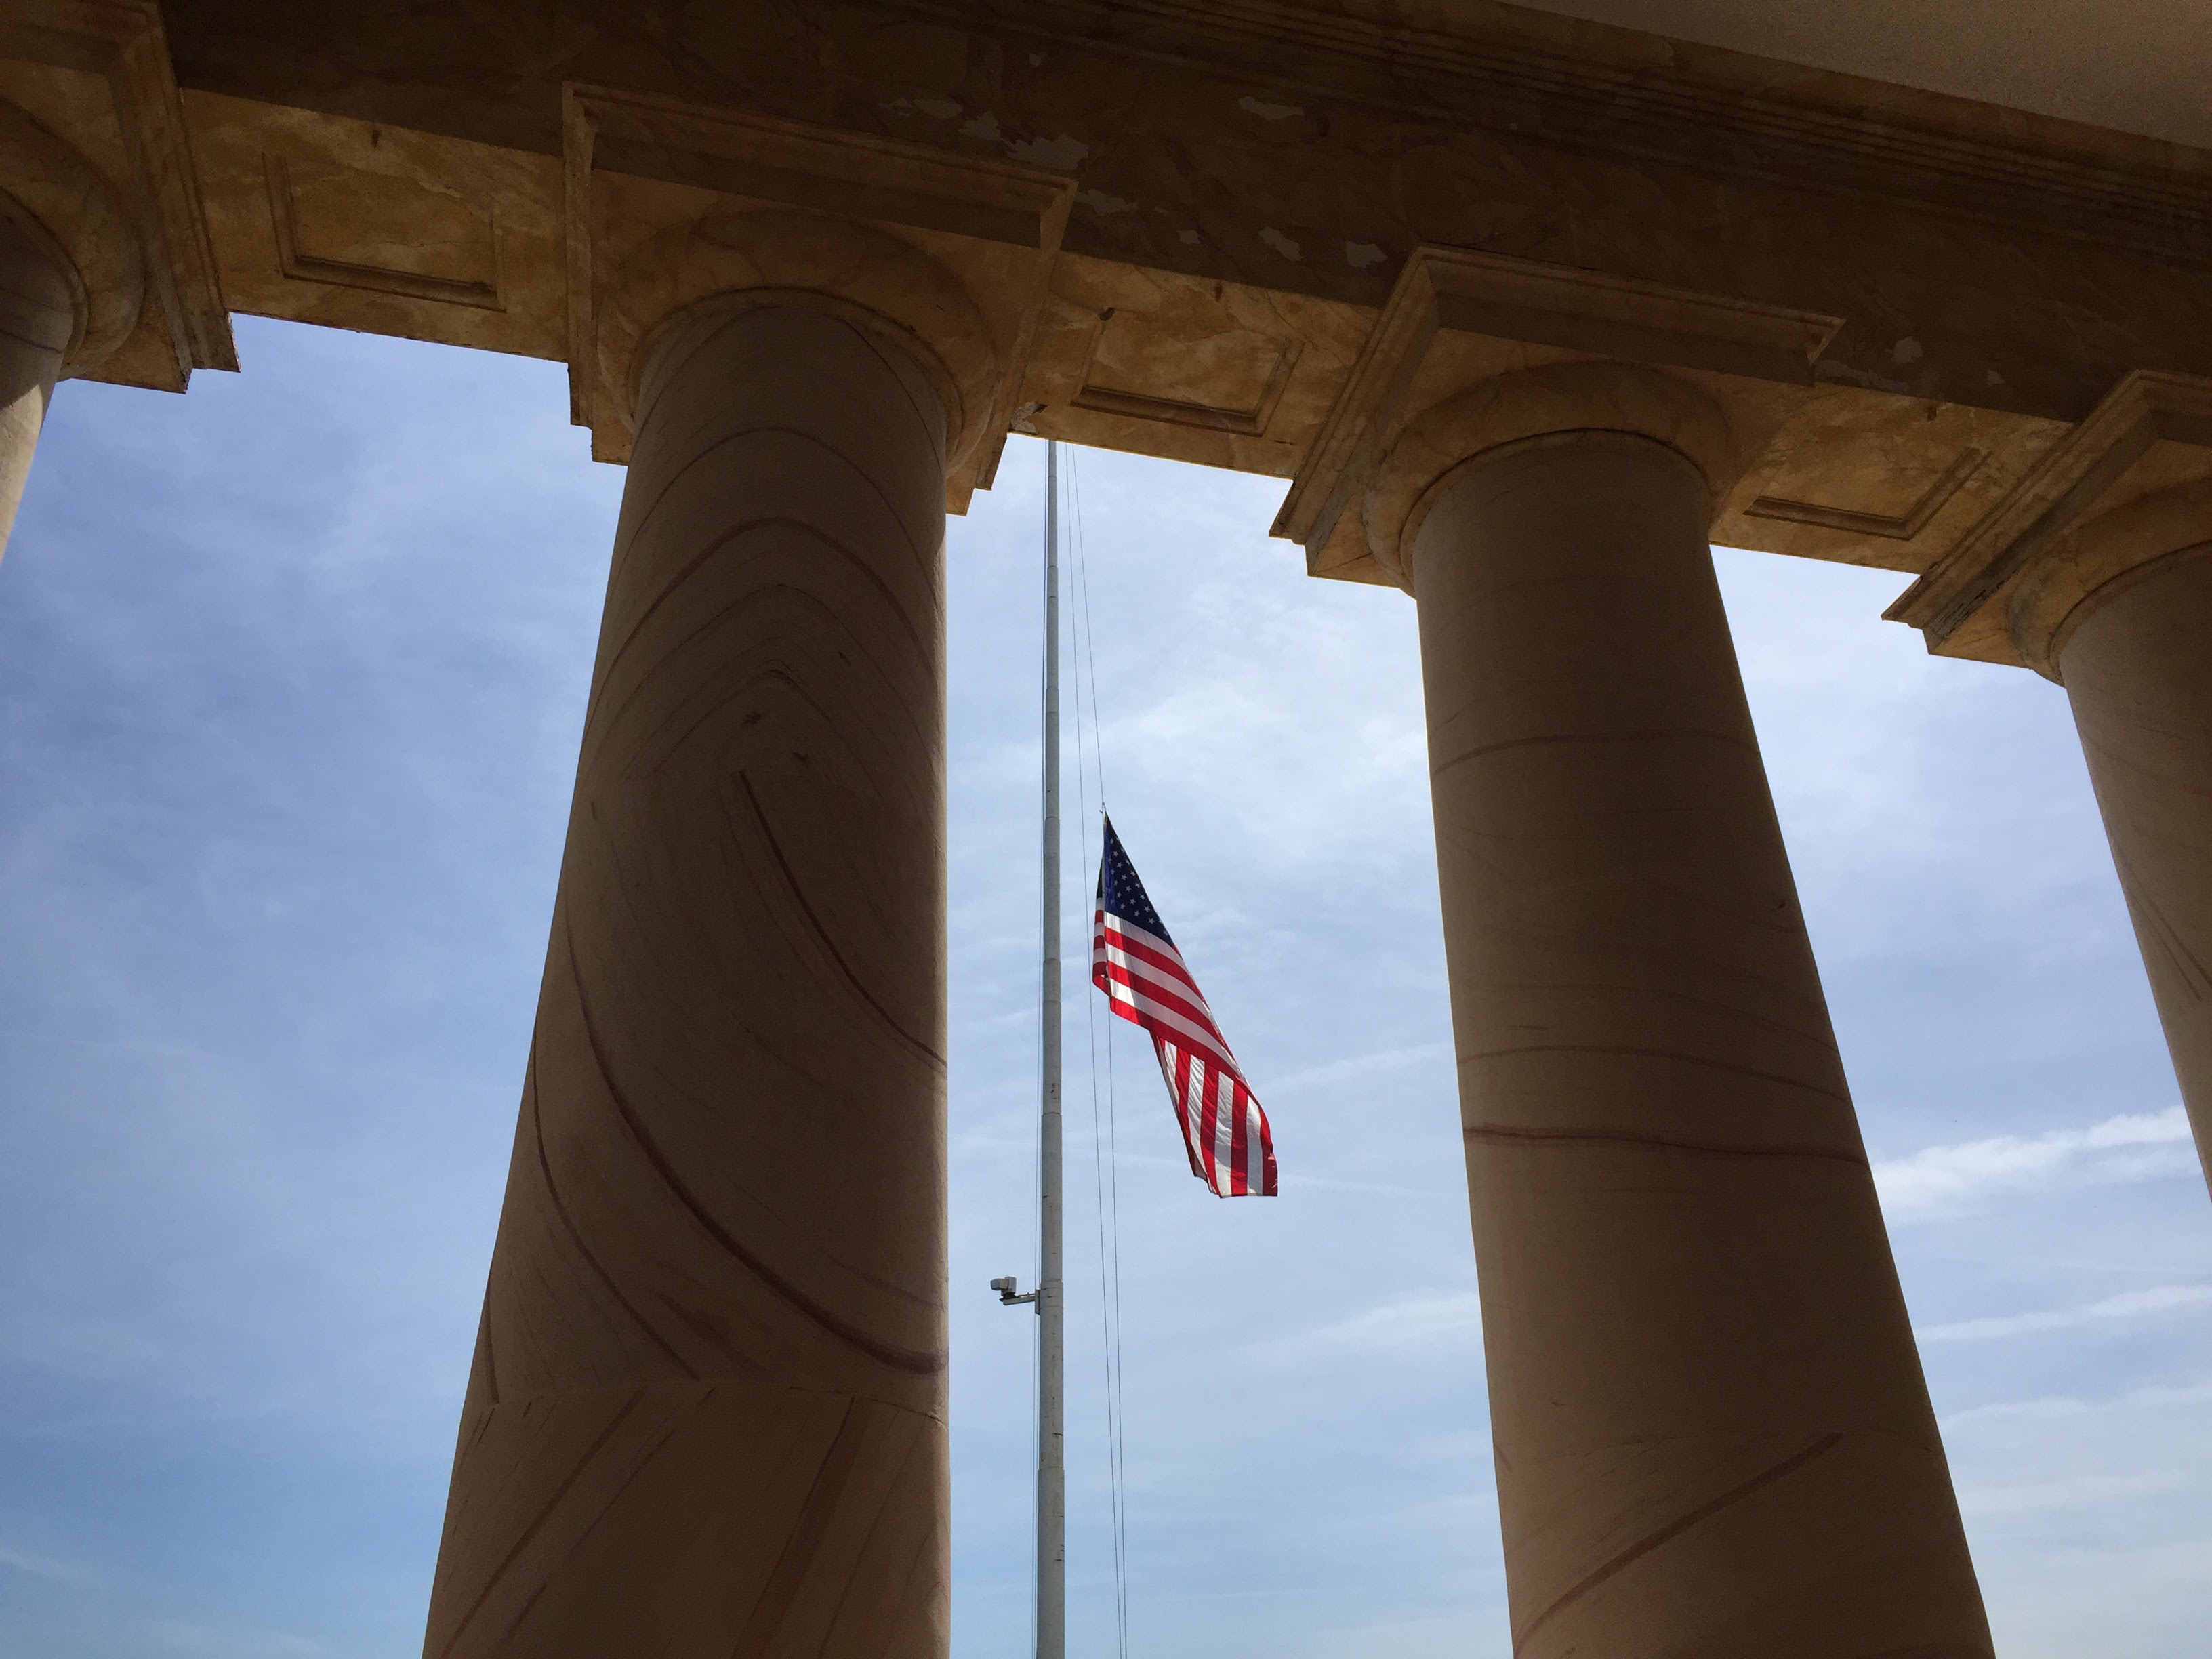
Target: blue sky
292,671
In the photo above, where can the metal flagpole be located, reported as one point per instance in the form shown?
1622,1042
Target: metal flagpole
1052,1474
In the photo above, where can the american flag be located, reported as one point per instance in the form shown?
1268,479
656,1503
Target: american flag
1137,967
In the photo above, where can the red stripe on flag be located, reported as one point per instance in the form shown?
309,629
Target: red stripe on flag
1240,1173
1201,1083
1178,1070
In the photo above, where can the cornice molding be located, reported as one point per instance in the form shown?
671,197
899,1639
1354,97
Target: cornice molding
123,42
1593,87
2149,440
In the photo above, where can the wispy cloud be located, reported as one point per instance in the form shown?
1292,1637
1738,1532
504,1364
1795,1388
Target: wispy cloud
179,1637
1358,1069
2132,1305
2128,1406
2060,1453
2072,1495
42,1566
1943,1179
1416,1320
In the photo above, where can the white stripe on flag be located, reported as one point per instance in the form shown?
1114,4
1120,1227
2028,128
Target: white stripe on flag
1194,1111
1143,936
1225,1132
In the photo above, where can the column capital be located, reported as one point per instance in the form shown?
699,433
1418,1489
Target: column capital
1474,350
1556,403
95,167
60,202
2129,485
782,257
671,207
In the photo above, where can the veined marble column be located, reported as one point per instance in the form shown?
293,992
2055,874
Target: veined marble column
36,317
707,1413
2136,661
1712,1431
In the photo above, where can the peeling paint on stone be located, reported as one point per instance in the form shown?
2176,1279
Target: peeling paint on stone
1187,238
984,126
1268,112
1099,201
1907,351
1061,153
1996,378
1828,370
1360,255
942,108
1282,243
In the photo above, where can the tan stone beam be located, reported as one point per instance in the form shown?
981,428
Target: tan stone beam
1978,257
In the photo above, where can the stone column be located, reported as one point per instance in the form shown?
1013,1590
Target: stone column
1712,1431
37,316
707,1413
2135,657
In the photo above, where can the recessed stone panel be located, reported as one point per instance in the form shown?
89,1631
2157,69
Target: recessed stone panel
1894,503
355,224
382,231
1863,476
1196,370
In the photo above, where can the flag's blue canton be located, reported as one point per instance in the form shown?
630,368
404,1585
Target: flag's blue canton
1121,894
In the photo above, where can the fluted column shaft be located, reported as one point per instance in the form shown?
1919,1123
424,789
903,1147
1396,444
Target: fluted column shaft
36,317
1711,1431
707,1413
2138,670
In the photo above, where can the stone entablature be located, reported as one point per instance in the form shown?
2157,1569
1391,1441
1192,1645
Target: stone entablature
1986,277
1487,346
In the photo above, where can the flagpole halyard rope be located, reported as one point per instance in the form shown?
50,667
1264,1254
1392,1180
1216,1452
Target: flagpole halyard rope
1105,1160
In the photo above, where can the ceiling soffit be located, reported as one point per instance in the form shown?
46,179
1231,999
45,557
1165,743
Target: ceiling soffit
1593,87
2134,65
